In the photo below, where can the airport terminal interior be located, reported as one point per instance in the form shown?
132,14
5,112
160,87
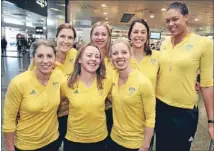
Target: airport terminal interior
23,23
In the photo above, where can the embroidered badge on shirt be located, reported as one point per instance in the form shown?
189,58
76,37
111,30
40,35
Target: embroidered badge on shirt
188,47
131,90
71,60
153,61
55,84
33,92
76,91
100,92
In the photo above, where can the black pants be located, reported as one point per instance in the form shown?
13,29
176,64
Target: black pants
175,127
113,146
62,128
74,146
50,147
109,121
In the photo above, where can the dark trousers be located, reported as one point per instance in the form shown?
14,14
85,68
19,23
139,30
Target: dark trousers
50,147
113,146
175,127
62,128
74,146
109,121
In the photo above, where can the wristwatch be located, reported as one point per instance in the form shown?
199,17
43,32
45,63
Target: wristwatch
210,121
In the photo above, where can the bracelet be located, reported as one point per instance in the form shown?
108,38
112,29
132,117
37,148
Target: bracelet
210,121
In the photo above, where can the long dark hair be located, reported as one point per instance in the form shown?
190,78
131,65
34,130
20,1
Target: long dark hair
180,6
147,43
101,71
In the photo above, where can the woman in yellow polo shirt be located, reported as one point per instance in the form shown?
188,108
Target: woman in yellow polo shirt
100,36
86,89
28,94
133,103
65,57
181,56
144,59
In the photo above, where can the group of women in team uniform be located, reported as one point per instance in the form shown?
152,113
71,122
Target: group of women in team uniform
62,96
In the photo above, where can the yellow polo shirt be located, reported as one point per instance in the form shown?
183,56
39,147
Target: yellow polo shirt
110,71
86,118
37,106
67,69
133,107
179,67
68,65
149,66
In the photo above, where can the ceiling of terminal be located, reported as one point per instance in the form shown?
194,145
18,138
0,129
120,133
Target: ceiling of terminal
12,14
86,12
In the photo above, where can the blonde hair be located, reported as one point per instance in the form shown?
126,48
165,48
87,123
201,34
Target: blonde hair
124,41
109,34
101,71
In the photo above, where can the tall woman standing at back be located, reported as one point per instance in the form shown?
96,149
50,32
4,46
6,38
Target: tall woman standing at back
181,57
100,36
65,58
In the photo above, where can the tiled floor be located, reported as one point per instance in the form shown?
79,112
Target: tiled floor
13,65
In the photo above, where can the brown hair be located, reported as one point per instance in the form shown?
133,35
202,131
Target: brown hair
101,71
147,43
109,34
65,26
35,45
124,41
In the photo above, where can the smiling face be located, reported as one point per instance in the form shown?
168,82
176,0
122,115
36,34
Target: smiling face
65,40
176,22
138,35
100,37
44,59
90,59
120,55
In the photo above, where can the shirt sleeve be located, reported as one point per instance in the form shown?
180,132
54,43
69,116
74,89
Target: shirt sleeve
206,65
148,97
11,107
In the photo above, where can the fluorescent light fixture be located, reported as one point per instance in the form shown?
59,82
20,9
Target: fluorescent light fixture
106,18
50,22
103,5
152,16
200,28
163,9
13,21
55,9
60,16
105,13
196,19
28,24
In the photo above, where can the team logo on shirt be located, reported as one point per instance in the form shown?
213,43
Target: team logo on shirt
71,60
100,91
131,90
33,92
188,47
55,84
153,60
76,92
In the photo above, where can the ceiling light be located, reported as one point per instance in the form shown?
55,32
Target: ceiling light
200,28
106,22
196,19
55,9
152,16
106,18
105,13
103,5
163,9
